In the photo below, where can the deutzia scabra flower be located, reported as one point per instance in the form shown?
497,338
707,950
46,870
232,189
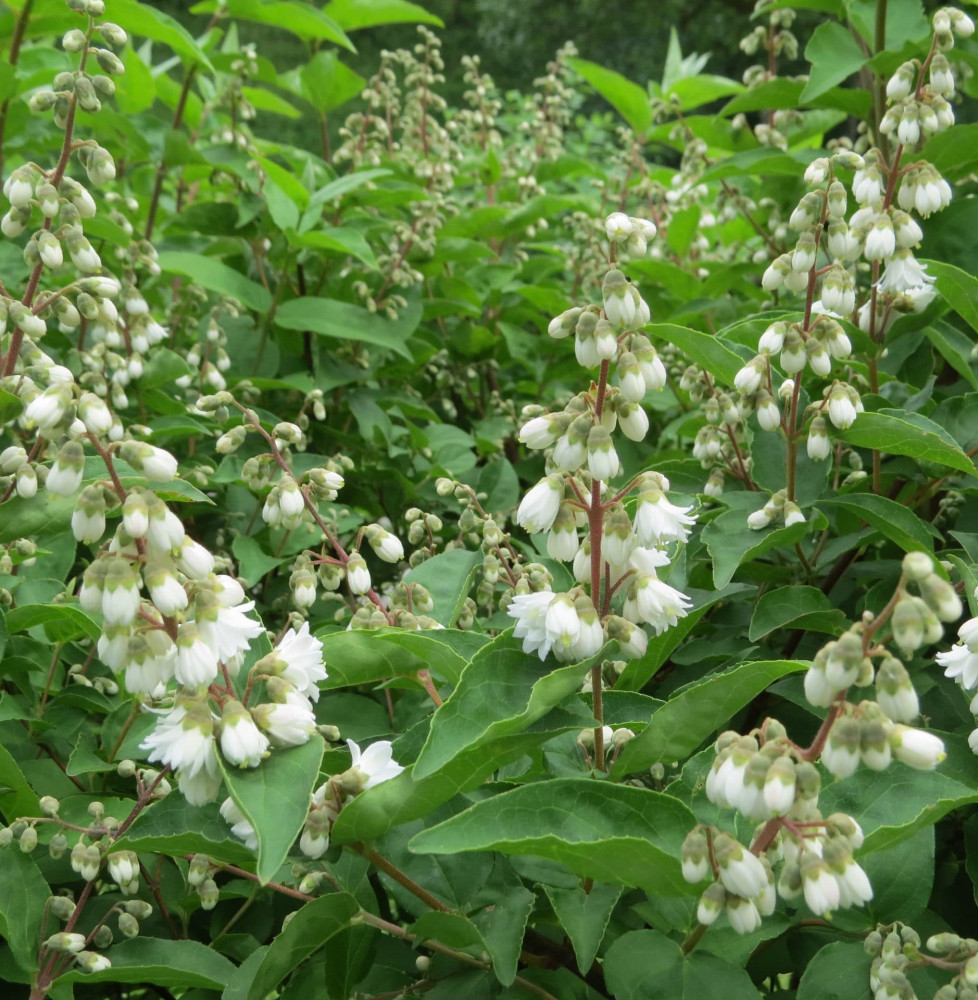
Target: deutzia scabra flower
372,766
297,658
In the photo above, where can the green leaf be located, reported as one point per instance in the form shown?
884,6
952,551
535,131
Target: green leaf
45,515
403,798
85,760
954,153
344,241
173,964
301,19
17,798
361,657
448,577
692,91
887,433
451,929
611,833
646,965
274,798
705,349
955,347
346,183
432,650
959,288
584,917
328,83
345,321
354,14
215,276
164,366
309,930
266,100
839,971
834,54
800,607
62,622
144,20
762,162
895,805
731,541
627,98
697,712
502,925
10,406
22,904
889,518
501,692
253,563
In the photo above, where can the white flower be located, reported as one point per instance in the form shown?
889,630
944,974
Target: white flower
656,603
748,379
66,941
239,824
961,664
375,764
743,914
123,867
562,623
241,742
632,419
538,509
917,748
387,546
90,961
298,658
357,574
842,413
538,433
289,724
230,630
64,480
196,662
184,739
166,590
47,410
618,226
880,240
193,559
904,271
740,871
821,889
657,521
530,612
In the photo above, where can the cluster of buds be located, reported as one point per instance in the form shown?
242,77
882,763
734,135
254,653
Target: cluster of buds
895,950
865,733
777,508
768,779
917,620
919,106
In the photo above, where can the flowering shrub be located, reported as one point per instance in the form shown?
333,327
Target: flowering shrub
361,638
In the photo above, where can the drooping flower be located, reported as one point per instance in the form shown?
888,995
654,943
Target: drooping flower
298,658
375,764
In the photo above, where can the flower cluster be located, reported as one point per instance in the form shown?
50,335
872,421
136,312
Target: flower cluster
627,551
772,782
188,735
